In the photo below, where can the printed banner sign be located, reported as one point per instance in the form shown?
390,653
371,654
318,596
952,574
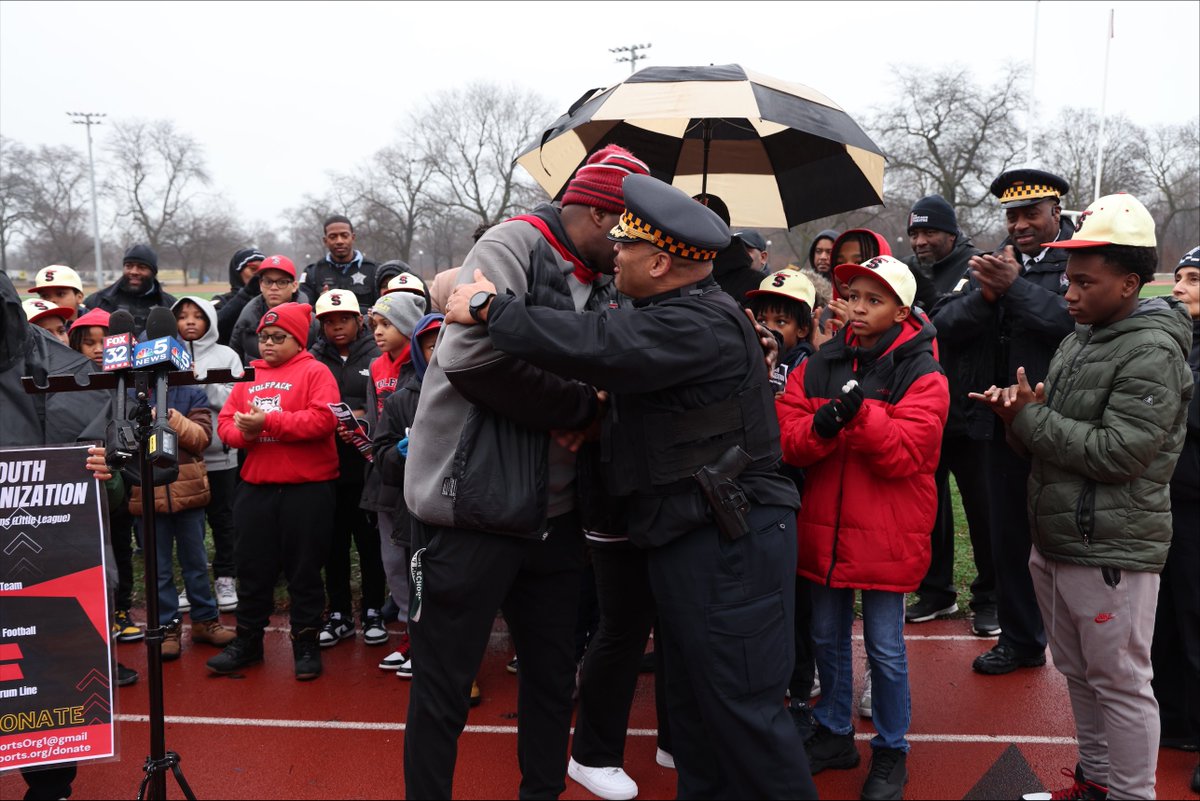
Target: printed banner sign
56,698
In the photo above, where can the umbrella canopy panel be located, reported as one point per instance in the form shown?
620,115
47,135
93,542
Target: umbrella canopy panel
779,154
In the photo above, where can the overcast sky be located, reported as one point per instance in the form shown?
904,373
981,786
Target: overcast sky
281,93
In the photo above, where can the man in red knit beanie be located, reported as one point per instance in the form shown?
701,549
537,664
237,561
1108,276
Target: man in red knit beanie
284,510
487,466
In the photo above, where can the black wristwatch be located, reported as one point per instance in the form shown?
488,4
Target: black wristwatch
478,301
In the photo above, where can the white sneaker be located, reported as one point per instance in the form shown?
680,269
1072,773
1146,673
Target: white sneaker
816,688
184,604
664,759
227,599
864,702
393,661
613,784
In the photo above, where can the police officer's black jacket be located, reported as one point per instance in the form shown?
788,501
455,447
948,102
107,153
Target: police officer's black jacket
961,365
687,380
358,276
1021,329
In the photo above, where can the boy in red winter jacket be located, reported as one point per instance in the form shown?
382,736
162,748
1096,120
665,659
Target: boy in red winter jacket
864,415
283,512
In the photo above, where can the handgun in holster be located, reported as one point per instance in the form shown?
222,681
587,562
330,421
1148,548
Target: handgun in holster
725,496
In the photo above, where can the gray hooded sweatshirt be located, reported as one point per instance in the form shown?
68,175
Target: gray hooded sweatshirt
209,355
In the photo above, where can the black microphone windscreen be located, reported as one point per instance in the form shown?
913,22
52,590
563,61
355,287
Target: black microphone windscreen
120,322
160,323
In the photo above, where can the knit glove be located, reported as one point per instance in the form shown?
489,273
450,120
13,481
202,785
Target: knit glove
834,415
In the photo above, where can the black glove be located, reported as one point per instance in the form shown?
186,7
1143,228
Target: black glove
834,415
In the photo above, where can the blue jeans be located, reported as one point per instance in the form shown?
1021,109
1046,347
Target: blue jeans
185,529
883,631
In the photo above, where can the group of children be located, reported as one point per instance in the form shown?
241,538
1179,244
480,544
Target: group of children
295,451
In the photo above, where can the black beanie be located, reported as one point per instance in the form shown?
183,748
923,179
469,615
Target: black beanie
142,254
933,212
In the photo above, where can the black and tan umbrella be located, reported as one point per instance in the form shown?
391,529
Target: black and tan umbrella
778,153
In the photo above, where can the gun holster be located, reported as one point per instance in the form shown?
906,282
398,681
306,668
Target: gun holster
725,496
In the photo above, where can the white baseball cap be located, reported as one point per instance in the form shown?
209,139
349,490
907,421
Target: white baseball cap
789,284
1118,219
405,282
57,276
891,271
336,300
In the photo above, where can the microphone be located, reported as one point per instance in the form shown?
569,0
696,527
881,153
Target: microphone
160,345
120,436
160,352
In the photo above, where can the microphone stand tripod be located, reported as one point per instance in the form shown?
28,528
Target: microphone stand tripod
160,760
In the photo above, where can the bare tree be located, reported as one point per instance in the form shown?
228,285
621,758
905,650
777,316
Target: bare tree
949,135
205,237
394,197
59,209
1068,148
154,172
16,195
471,138
1170,156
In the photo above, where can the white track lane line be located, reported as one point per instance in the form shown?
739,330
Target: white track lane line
353,725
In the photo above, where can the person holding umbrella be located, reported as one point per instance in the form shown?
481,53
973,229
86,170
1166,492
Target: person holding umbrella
693,446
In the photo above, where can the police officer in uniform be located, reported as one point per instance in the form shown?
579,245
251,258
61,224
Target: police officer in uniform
690,440
1013,314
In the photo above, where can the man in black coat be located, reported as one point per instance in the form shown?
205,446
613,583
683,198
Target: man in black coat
137,291
1012,314
343,267
941,253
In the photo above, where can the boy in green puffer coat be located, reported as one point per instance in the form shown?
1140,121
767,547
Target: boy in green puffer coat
1105,432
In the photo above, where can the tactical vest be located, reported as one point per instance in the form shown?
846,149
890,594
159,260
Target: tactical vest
652,444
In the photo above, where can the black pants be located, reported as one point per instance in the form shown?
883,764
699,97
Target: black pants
1016,603
465,577
120,523
613,660
282,528
1175,653
805,669
50,782
964,459
725,621
223,484
351,523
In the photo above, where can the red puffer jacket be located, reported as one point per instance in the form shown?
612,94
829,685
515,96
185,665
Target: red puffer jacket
869,493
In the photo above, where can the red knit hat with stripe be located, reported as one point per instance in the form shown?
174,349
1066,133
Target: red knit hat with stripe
598,182
295,318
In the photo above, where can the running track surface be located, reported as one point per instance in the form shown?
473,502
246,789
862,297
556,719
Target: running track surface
265,735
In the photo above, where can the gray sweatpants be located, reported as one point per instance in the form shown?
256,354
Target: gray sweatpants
1100,638
395,564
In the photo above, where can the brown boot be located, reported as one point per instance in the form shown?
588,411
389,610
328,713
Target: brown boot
170,643
213,633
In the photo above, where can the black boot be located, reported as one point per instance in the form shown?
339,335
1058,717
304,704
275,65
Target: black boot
245,650
307,653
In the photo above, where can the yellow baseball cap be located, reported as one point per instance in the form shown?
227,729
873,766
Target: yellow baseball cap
1118,219
57,276
336,300
789,284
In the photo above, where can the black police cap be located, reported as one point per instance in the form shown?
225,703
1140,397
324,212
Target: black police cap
1024,187
667,218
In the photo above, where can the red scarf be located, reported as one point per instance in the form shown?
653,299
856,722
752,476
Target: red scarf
585,274
385,374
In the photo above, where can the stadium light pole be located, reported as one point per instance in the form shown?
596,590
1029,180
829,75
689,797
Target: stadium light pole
633,58
90,118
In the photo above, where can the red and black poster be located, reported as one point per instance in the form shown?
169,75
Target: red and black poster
56,700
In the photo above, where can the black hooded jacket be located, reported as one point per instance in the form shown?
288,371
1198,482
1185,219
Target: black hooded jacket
733,271
352,374
1021,329
114,297
29,350
829,234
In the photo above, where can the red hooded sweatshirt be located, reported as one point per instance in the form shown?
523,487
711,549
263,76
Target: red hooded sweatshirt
296,445
869,493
